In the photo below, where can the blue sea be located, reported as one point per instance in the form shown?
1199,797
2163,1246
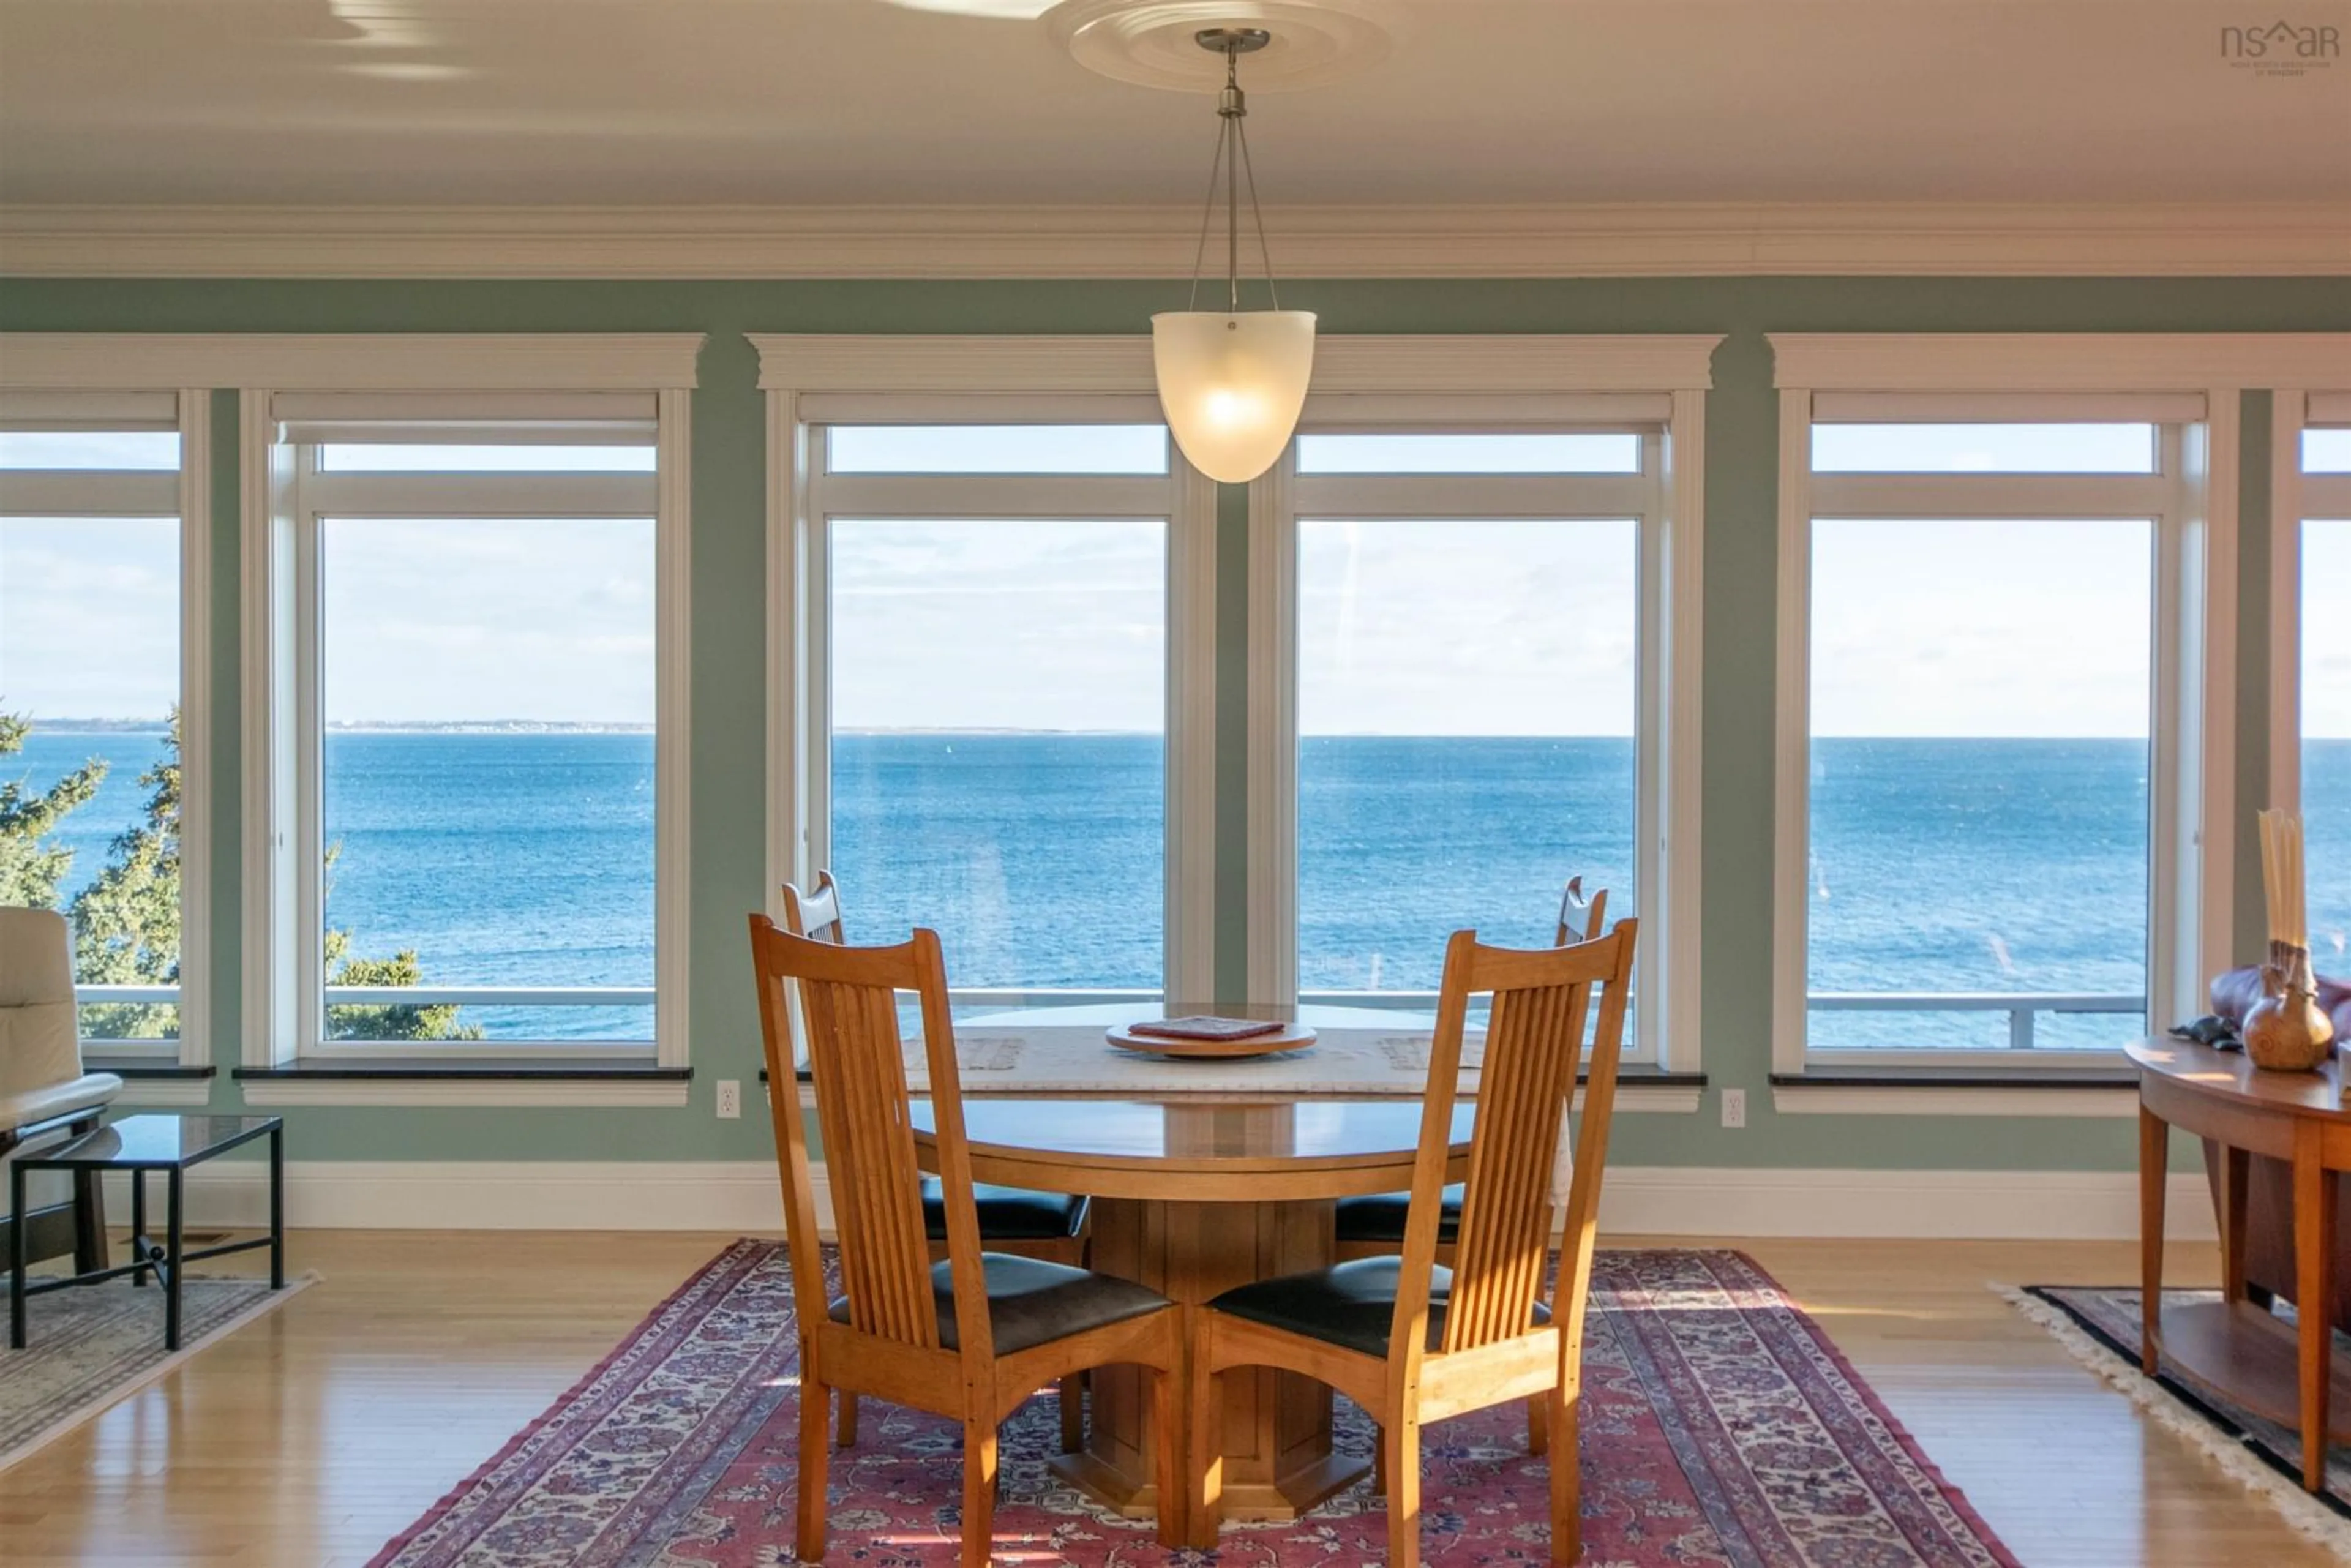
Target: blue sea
1938,865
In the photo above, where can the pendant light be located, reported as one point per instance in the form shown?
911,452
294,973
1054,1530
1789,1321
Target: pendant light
1232,383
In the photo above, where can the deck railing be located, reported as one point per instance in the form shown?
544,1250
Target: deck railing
2022,1007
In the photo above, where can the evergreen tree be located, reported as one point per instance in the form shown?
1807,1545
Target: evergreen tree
126,922
30,871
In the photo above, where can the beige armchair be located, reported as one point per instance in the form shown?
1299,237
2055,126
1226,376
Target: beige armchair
44,1093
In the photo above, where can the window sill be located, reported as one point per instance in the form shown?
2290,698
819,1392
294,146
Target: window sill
427,1082
1942,1092
148,1082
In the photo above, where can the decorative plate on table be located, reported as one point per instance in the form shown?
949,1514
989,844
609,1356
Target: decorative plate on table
1209,1039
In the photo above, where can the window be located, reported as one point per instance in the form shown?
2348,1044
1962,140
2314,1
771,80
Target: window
989,745
1481,612
2313,551
1980,817
101,591
976,541
1467,692
480,712
2327,738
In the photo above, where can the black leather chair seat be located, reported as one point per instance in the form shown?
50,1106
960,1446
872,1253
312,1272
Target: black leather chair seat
1380,1216
1030,1300
1008,1213
1351,1305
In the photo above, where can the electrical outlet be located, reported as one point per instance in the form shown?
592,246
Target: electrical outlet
1734,1106
730,1099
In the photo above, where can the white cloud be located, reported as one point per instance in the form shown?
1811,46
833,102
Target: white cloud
89,616
439,620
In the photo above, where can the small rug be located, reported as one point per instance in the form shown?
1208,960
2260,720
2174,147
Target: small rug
2099,1325
89,1348
1720,1430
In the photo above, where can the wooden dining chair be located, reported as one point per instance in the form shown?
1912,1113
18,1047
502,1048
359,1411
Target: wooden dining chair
1047,1225
1413,1342
1371,1225
971,1337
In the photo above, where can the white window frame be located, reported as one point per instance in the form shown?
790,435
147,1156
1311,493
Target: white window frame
282,935
2296,497
811,381
1471,384
2033,377
51,385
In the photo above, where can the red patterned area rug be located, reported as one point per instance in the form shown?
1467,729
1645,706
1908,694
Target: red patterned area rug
1720,1427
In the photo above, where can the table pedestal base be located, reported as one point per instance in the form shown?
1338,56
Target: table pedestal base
1277,1424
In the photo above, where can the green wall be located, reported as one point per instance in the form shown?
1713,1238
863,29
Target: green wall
731,700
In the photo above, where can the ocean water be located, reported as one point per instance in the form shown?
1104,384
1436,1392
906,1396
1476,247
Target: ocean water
1938,865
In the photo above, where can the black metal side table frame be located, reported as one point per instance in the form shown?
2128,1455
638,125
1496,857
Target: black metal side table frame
116,1148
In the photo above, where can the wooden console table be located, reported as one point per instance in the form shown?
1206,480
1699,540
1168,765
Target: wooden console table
2232,1346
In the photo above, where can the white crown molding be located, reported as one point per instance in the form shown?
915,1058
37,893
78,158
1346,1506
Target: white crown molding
740,1196
1622,240
351,361
1482,365
2057,361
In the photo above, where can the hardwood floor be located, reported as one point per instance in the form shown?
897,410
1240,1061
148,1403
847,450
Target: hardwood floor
311,1436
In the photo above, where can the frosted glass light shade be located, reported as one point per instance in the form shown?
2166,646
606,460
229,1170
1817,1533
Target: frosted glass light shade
1232,385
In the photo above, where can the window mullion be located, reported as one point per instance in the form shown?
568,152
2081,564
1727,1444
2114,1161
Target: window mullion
479,494
309,737
979,496
1989,495
1651,749
88,493
1417,496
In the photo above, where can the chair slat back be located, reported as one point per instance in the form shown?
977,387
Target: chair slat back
1541,1003
848,999
816,913
1580,917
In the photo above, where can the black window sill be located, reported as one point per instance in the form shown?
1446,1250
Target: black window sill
1948,1078
148,1072
488,1071
1651,1077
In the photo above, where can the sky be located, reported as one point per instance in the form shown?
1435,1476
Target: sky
2011,628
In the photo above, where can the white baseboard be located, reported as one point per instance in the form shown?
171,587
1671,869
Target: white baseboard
742,1196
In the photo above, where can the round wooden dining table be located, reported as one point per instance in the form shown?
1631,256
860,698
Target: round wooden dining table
1193,1197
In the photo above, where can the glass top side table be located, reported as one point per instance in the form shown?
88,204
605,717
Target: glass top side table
138,1144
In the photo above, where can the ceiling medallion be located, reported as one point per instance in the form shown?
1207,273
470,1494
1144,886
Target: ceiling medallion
1153,43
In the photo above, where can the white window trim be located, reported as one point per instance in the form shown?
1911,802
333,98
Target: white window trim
809,378
74,361
2191,869
1496,382
2295,498
271,643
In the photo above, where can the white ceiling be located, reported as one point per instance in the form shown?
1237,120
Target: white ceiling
906,101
